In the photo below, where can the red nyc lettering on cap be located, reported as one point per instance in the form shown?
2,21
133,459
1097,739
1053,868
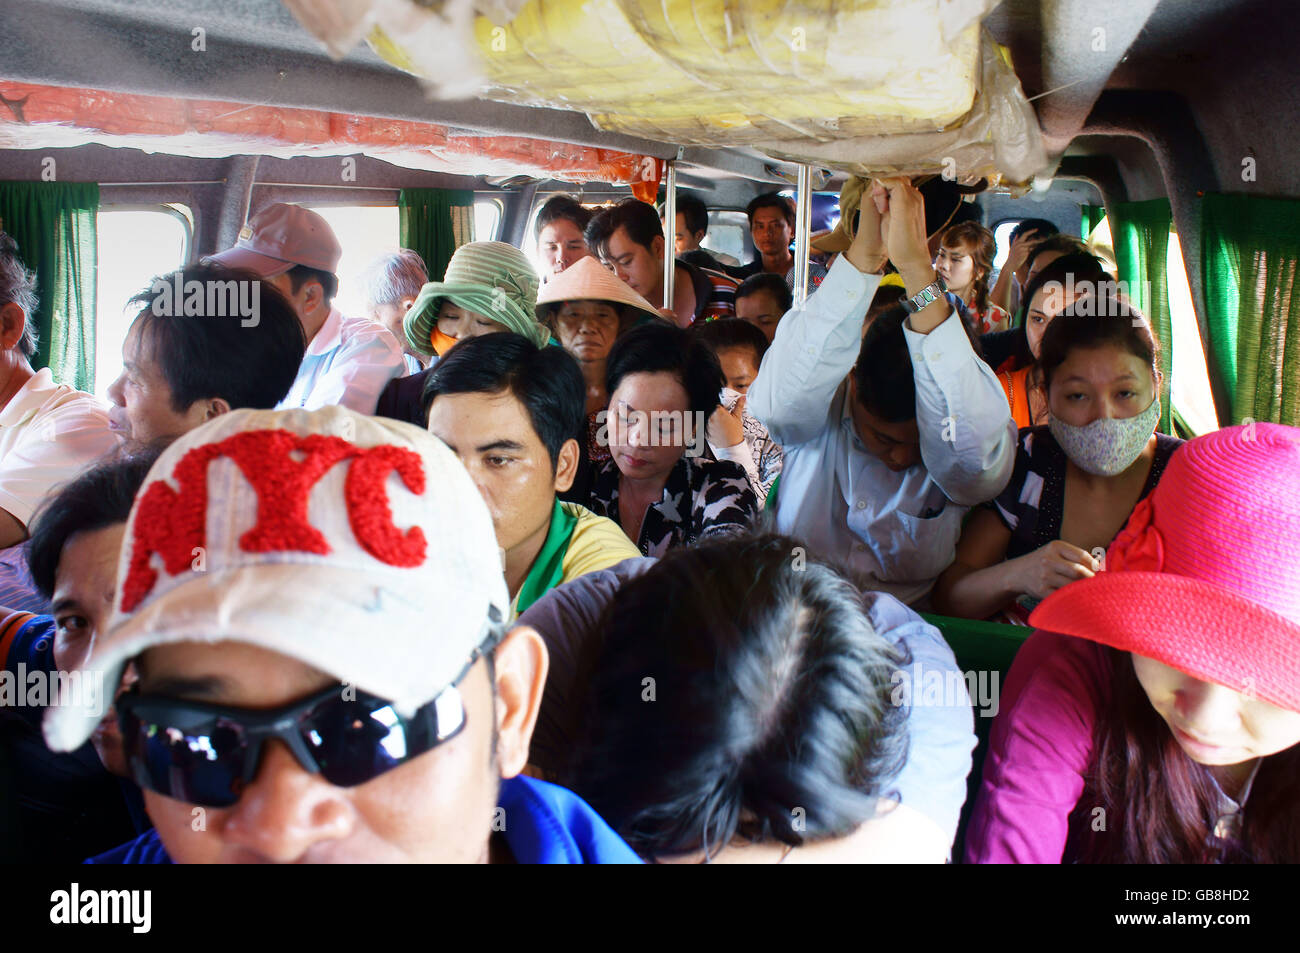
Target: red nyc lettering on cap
282,468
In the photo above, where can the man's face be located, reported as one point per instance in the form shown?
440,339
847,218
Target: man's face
683,239
391,316
770,230
561,246
142,411
495,440
640,267
898,445
761,310
436,808
84,583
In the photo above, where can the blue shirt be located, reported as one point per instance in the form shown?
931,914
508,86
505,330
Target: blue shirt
544,824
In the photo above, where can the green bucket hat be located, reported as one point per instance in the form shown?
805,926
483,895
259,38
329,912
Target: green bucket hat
490,278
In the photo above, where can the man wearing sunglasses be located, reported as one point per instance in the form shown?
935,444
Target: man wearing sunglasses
316,609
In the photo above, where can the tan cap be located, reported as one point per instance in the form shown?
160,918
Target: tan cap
281,236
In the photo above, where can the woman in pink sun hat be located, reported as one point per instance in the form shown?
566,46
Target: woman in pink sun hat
1155,715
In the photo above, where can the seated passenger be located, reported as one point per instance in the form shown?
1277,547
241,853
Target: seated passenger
882,459
393,282
349,361
663,385
762,300
183,367
488,287
1049,250
733,433
69,806
512,412
49,432
689,231
586,309
1155,715
1076,479
356,635
629,239
771,228
1053,289
965,257
560,231
1007,290
773,656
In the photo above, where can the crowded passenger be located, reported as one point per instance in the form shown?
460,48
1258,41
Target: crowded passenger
72,805
1007,290
1154,717
397,742
763,300
513,413
784,714
1077,479
393,282
348,361
964,261
182,367
689,232
663,385
629,239
771,228
560,231
733,433
488,287
890,437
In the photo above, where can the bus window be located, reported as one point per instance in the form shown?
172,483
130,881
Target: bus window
729,234
487,219
134,244
1002,237
365,232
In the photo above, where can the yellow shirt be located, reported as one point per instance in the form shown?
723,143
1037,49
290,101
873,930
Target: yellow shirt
597,543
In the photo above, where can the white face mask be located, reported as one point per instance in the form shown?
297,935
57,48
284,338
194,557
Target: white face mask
1109,445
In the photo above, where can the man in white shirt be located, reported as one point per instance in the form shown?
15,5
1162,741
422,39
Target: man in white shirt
867,484
349,361
49,432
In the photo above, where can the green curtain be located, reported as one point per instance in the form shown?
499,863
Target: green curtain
1092,216
54,226
1140,233
435,222
1250,246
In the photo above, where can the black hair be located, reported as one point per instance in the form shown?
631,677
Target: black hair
771,200
884,370
100,497
1097,320
654,348
1064,244
773,284
726,333
1066,270
638,218
772,702
561,207
215,353
546,380
1042,226
694,211
18,286
299,275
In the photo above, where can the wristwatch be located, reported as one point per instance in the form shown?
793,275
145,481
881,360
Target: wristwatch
926,296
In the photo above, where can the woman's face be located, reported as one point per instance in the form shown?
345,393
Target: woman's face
1213,724
650,425
460,323
1049,301
1093,383
587,329
956,267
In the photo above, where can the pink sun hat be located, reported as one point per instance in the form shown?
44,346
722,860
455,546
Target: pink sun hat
1205,576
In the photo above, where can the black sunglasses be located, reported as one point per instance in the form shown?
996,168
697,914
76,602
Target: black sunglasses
207,754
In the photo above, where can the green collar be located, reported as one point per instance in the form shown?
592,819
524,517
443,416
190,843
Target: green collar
548,567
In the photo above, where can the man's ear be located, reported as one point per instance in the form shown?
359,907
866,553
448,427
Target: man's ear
521,663
13,321
566,465
215,408
657,247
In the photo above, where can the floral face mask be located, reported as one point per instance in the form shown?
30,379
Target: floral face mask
1107,446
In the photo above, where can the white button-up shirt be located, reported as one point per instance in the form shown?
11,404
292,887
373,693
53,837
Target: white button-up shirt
895,532
348,363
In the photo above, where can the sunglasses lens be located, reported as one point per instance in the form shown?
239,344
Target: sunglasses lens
354,741
200,763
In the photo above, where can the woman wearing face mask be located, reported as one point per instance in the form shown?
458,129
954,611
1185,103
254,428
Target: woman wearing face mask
1155,715
1077,479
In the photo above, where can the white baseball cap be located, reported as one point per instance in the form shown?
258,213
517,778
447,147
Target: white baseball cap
357,545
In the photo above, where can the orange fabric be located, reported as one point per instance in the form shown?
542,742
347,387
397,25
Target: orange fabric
442,343
9,627
1015,385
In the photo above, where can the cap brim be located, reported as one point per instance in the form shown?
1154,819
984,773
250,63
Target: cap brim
329,618
1199,628
264,265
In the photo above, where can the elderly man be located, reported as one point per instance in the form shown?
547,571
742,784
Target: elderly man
393,282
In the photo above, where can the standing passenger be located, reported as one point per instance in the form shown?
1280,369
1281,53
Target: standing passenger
771,228
561,234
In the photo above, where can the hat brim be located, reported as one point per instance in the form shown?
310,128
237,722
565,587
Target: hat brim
543,309
264,265
1199,628
327,617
